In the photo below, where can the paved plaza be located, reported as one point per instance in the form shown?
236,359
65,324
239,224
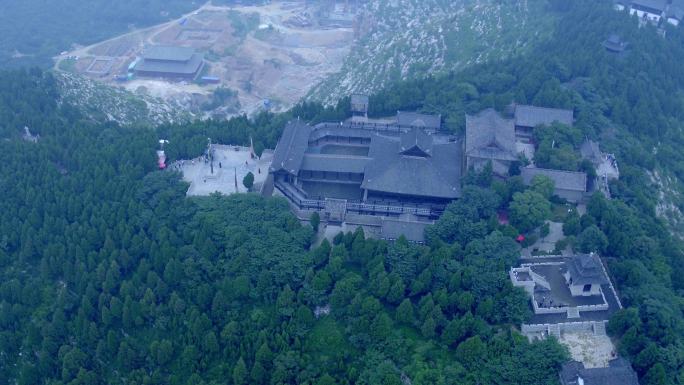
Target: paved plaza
231,163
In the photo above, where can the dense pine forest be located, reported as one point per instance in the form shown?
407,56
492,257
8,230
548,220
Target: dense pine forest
110,275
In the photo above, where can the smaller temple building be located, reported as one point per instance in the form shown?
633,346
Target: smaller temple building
529,117
490,139
566,292
584,275
569,185
501,141
359,105
615,44
170,62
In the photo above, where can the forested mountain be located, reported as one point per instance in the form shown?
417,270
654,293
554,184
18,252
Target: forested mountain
110,275
632,103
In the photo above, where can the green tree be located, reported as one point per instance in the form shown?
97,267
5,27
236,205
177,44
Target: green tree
248,181
528,210
240,373
428,328
571,225
396,292
315,221
258,373
657,375
381,328
592,239
286,302
405,312
543,185
326,379
471,352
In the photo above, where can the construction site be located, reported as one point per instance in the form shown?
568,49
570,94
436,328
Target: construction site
269,56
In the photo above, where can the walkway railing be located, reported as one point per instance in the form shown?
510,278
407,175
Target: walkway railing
371,126
358,207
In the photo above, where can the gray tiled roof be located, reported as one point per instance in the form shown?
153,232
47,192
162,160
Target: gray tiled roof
619,372
532,116
415,119
564,180
434,173
168,53
394,228
602,315
490,136
614,43
591,151
416,139
291,147
436,176
334,163
188,67
586,269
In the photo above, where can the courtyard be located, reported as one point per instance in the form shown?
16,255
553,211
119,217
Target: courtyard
231,164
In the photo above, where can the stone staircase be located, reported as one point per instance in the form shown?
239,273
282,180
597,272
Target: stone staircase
539,280
554,330
600,328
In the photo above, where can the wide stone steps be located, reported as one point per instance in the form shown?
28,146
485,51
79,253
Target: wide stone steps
554,330
600,328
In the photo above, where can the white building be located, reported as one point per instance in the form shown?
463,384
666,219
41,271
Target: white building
585,275
651,10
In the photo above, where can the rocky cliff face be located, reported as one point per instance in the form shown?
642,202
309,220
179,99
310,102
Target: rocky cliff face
415,38
104,103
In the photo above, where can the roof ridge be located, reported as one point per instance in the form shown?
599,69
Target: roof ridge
555,170
543,108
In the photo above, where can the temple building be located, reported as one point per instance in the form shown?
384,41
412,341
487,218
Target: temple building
566,290
359,105
170,63
490,138
393,172
615,44
651,10
570,185
529,117
584,275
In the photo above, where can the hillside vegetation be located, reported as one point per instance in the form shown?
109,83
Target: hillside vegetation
103,103
417,38
110,275
632,103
